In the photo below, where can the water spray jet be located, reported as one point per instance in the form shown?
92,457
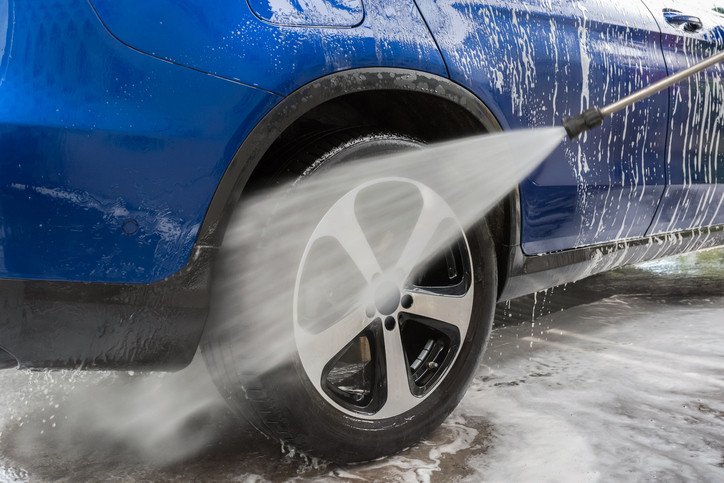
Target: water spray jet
593,117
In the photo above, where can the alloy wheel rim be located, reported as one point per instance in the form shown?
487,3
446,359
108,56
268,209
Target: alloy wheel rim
401,330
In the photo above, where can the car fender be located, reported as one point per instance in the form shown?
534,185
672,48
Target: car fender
226,38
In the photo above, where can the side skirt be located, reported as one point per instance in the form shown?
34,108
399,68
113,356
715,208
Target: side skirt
528,274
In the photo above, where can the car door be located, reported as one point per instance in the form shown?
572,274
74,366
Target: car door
536,62
691,31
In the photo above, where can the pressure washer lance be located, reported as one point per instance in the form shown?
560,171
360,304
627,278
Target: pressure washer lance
594,116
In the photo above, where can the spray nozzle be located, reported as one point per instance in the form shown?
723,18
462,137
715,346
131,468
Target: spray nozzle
583,122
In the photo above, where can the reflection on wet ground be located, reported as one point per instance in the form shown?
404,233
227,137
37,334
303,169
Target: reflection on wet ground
620,376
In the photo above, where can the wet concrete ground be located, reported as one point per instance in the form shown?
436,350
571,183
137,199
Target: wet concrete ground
618,377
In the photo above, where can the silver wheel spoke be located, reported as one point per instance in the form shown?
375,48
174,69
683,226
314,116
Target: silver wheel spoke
421,245
452,309
341,223
399,396
316,350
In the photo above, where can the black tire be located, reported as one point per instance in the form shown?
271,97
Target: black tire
280,400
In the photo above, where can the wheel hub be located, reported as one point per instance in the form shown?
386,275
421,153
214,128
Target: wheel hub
387,297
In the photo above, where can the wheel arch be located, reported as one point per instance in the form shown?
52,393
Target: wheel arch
426,106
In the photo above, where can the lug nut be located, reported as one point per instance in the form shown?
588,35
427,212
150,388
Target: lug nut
370,311
432,365
390,322
406,301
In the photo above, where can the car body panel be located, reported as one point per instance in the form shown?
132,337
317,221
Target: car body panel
226,39
106,177
695,153
536,62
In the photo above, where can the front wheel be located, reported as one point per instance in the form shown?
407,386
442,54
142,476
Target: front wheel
377,347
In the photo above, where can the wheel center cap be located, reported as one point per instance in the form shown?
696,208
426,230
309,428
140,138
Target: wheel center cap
387,298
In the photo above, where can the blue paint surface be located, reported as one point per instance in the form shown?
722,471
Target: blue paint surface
94,134
223,37
695,144
537,62
118,118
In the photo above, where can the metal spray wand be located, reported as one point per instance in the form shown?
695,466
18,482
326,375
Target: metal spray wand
594,116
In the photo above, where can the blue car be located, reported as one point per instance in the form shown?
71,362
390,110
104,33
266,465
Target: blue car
131,133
